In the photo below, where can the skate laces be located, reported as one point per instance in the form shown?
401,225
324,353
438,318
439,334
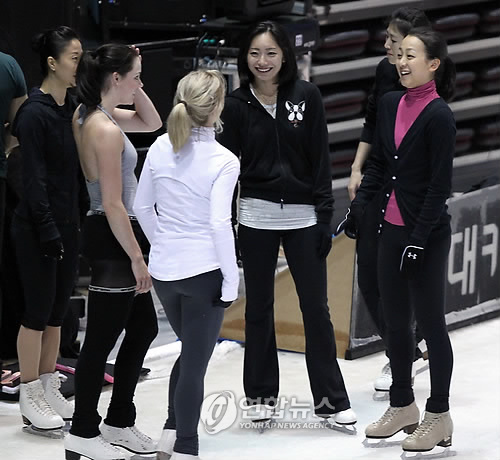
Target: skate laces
108,446
140,435
388,415
386,372
55,383
427,425
41,405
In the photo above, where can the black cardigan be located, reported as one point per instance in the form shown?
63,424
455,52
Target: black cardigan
284,160
419,171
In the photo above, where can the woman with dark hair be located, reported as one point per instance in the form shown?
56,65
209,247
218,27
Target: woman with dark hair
275,123
119,297
386,79
45,228
412,166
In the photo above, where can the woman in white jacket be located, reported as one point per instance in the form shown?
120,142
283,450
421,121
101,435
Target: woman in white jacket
183,204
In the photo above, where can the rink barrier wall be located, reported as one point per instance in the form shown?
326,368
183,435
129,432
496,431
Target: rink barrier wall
472,285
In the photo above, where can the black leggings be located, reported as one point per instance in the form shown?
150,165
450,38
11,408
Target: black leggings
47,282
367,251
188,304
259,251
425,297
109,313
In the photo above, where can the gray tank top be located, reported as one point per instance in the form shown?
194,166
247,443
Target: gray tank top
129,181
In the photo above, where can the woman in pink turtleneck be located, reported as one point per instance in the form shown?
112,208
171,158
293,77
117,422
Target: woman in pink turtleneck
412,163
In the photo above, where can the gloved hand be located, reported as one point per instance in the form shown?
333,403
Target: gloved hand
53,249
324,239
350,224
222,303
237,247
412,261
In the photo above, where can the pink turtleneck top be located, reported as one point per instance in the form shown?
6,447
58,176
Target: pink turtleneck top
410,106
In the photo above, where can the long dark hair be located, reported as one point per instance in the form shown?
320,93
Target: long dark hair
436,48
288,71
94,68
52,42
406,18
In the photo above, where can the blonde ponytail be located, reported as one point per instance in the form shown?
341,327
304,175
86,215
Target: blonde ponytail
199,94
179,125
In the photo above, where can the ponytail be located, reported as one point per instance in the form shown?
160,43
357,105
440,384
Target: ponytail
436,48
445,78
89,80
179,125
95,67
199,94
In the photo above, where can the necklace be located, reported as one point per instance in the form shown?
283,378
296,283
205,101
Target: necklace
265,99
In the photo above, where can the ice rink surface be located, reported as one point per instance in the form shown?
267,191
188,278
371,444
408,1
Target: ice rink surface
475,407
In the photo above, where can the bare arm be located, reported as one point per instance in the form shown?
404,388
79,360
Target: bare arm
144,118
108,153
359,160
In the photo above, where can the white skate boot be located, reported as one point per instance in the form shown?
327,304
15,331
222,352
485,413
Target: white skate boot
383,382
51,384
129,438
38,416
92,448
165,447
342,421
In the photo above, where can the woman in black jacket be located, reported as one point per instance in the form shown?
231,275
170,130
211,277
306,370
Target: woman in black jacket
412,168
386,79
45,229
275,123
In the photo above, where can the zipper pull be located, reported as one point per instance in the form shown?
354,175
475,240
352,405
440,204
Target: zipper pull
281,203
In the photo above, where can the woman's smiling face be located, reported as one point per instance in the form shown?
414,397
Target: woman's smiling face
265,58
414,67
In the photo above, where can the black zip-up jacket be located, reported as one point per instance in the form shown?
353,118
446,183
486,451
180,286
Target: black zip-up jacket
284,160
419,171
53,184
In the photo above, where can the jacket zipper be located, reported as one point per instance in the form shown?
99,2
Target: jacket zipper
282,178
281,163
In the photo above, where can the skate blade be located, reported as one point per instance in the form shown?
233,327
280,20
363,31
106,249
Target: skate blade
262,425
423,368
147,457
437,452
372,443
381,395
346,429
57,433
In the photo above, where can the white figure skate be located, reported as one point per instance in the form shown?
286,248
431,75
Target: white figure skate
38,416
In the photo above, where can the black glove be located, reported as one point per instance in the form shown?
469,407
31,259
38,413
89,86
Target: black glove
411,261
222,303
324,239
53,249
237,247
350,224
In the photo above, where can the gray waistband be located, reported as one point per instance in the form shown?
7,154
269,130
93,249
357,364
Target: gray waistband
94,212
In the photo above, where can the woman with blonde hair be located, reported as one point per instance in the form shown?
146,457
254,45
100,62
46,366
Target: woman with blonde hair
183,204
